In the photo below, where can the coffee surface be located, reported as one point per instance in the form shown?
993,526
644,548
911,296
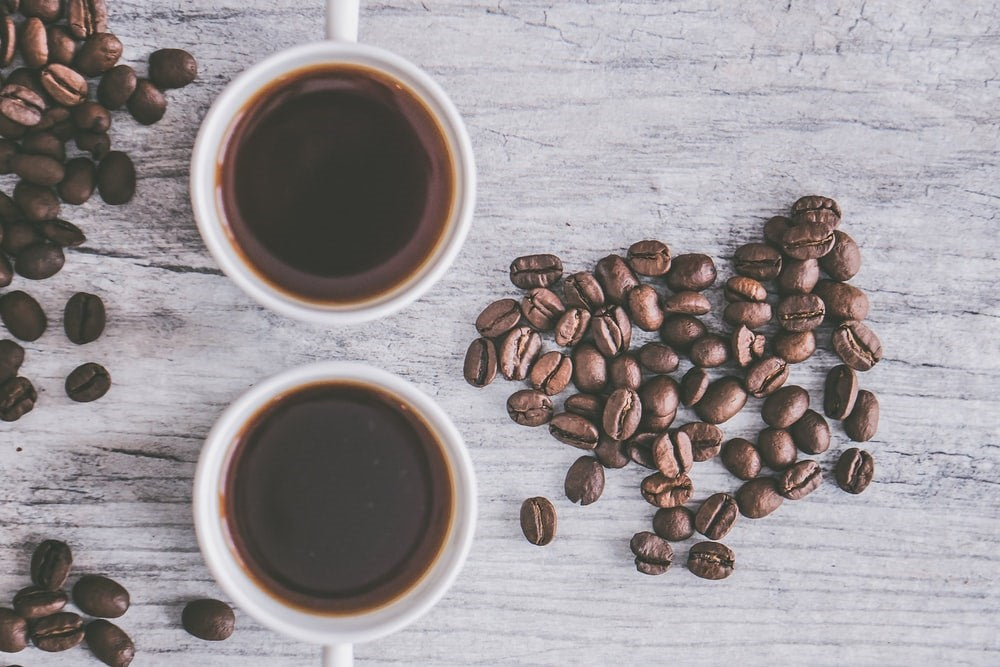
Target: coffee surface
338,498
336,184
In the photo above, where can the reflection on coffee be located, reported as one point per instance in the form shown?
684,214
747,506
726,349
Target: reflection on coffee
336,184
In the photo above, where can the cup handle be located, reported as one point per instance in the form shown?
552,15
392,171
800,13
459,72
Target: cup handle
338,655
342,20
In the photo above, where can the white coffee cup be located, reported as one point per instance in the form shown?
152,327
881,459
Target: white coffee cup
336,633
341,47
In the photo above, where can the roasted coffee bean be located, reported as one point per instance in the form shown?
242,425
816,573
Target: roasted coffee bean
45,10
117,85
6,271
794,346
857,345
644,306
711,560
21,105
574,430
766,376
518,352
611,453
62,46
62,233
109,643
798,276
653,554
79,182
751,314
855,470
84,318
844,261
774,230
13,632
616,278
776,448
710,351
812,203
86,17
542,307
8,149
758,497
800,480
746,345
498,318
38,169
29,78
58,632
706,439
716,516
583,291
862,424
674,523
741,458
36,602
116,178
572,326
551,373
100,596
590,369
17,398
11,358
622,414
584,481
672,453
99,53
45,143
8,40
612,330
693,272
693,386
88,382
680,331
538,523
34,43
757,260
658,358
811,433
662,491
660,397
687,303
22,315
529,407
625,372
64,85
842,301
19,235
722,400
214,620
172,68
9,129
639,449
741,288
98,144
50,564
480,365
649,258
808,240
525,272
92,117
148,104
800,312
585,405
40,261
785,406
840,392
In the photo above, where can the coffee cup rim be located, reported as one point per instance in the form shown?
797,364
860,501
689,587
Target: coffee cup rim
316,627
210,142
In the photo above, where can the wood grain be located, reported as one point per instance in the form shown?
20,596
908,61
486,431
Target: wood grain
595,124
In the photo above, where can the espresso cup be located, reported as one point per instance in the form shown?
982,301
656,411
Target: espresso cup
337,632
209,194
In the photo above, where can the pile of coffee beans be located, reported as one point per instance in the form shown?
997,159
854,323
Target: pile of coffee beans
56,50
627,399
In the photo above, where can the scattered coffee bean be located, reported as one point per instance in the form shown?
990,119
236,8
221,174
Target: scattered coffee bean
855,470
800,312
109,643
62,46
116,178
691,272
814,203
538,523
99,53
658,358
572,326
774,230
19,235
611,453
722,400
44,10
844,261
480,365
857,345
62,233
518,352
800,480
64,85
741,288
644,306
741,458
653,554
639,449
625,372
674,523
34,43
214,620
672,454
862,424
808,240
98,144
100,596
751,314
88,382
22,315
776,447
706,439
616,278
498,318
574,430
757,260
612,330
758,497
710,351
686,303
711,560
649,258
785,406
13,631
798,276
551,373
116,87
172,68
17,398
58,632
86,17
38,203
45,143
841,392
584,481
746,346
590,368
842,300
40,261
811,433
622,414
662,491
91,117
660,397
716,516
11,358
542,308
585,405
36,602
582,290
766,376
50,564
527,271
530,407
794,346
694,384
21,105
680,331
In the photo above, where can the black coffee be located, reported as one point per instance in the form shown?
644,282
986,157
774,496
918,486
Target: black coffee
336,183
338,498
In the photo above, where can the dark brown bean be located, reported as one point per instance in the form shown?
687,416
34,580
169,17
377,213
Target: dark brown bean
62,46
622,414
38,169
616,278
79,182
711,560
542,308
585,405
662,491
800,480
529,407
794,346
518,352
674,523
498,318
862,424
716,516
88,382
109,643
64,85
776,448
857,345
480,365
21,105
34,43
40,261
574,430
653,555
572,326
658,358
672,454
172,68
722,400
611,329
811,433
691,272
649,258
590,369
538,520
687,303
50,564
812,203
211,620
660,397
86,17
116,178
785,406
13,630
644,306
584,482
706,439
58,632
584,291
798,276
91,117
611,453
44,10
855,470
775,228
758,497
681,331
842,300
36,602
757,260
766,376
551,373
693,386
800,312
741,458
22,316
710,351
741,288
840,392
116,87
99,53
844,261
808,240
746,345
625,371
750,314
100,596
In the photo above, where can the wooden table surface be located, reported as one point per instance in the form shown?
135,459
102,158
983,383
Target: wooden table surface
595,124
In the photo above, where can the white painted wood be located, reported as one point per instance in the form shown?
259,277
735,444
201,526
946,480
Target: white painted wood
595,124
